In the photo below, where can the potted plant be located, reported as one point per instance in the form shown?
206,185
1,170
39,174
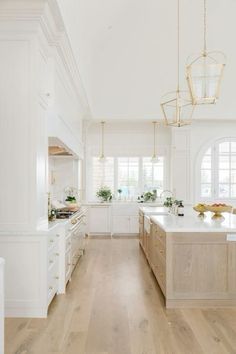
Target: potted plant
104,194
169,203
119,191
150,196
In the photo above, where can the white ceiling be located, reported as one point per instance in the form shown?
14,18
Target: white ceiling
126,52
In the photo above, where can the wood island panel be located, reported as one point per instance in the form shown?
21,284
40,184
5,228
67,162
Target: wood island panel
193,269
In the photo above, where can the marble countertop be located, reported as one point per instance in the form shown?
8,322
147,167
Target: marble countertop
193,223
154,210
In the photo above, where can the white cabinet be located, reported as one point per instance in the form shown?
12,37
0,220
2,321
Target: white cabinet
31,274
72,246
99,219
1,306
125,219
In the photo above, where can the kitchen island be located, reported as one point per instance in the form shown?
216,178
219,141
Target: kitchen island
193,259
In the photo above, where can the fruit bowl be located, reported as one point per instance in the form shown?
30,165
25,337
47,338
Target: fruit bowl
200,208
218,209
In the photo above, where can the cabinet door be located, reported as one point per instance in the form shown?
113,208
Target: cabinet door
99,219
120,224
134,224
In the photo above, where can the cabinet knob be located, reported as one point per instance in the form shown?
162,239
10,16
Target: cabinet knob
50,287
51,240
57,254
51,261
57,235
161,251
57,277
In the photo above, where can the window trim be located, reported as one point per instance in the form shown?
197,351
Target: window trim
140,170
214,170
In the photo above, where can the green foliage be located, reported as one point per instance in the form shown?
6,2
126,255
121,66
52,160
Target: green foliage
150,196
105,194
168,202
70,199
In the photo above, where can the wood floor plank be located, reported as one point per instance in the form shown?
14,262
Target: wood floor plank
114,306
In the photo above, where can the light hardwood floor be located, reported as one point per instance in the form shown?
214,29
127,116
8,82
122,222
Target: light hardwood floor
114,306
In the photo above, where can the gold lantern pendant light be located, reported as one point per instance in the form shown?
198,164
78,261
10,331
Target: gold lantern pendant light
102,158
154,158
205,71
177,106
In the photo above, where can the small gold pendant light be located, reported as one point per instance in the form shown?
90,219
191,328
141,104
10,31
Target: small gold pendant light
102,158
205,71
177,106
154,158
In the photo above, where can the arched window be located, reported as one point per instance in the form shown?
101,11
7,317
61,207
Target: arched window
218,171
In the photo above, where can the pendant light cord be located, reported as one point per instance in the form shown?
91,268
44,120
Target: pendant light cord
205,27
154,139
178,49
102,139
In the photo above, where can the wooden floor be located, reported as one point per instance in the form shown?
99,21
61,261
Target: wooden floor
114,306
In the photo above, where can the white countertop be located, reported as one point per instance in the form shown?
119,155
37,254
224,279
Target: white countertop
193,223
154,210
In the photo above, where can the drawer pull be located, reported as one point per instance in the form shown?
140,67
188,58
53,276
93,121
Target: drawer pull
51,261
50,287
51,241
57,277
161,251
57,235
57,254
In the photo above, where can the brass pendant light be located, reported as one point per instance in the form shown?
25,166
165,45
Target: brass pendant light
102,157
205,71
177,106
154,158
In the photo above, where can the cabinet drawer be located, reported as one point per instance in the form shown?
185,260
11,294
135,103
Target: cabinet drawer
67,265
68,243
160,273
160,247
159,233
53,257
53,241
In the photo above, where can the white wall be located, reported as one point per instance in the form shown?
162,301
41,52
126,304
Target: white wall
181,146
63,172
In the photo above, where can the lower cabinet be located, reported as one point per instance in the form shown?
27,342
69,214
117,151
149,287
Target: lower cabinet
99,219
193,269
125,219
125,225
31,272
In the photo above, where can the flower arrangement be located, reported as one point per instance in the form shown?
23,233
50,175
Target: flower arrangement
105,194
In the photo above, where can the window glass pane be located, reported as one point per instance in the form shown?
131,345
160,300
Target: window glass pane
224,190
102,174
233,191
224,162
233,147
208,152
224,176
206,176
153,175
233,161
206,190
128,176
206,162
233,176
224,147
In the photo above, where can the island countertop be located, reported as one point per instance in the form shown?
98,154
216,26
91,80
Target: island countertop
193,223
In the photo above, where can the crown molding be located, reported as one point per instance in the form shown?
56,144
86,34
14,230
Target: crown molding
30,17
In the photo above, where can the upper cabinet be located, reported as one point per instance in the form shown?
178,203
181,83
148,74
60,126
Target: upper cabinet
41,95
